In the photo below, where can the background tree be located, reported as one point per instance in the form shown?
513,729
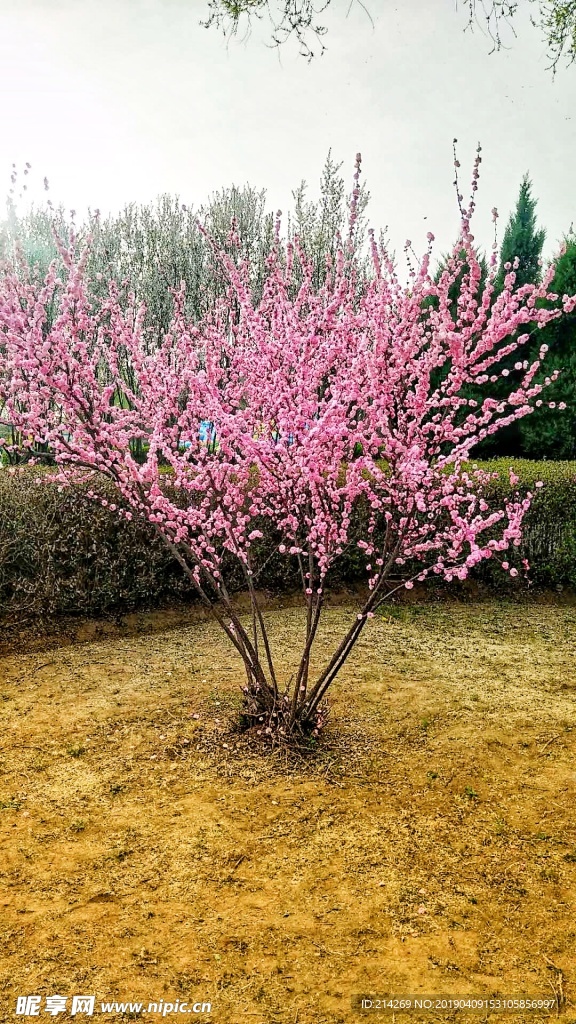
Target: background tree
150,249
520,253
544,433
559,25
522,239
321,226
292,18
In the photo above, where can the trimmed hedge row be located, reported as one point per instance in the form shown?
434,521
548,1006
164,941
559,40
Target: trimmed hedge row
60,554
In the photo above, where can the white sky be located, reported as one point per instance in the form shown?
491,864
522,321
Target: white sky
121,100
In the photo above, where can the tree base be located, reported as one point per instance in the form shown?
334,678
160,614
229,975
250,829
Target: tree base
279,726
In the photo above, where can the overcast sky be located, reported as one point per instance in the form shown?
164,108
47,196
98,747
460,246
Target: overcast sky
121,100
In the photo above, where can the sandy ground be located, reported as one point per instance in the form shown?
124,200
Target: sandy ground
148,853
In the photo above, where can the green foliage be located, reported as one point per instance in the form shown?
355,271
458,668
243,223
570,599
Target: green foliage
522,239
59,552
559,26
550,433
292,18
549,533
296,18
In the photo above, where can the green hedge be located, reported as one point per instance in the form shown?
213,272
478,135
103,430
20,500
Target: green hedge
60,554
549,533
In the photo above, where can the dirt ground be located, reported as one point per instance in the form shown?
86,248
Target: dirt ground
148,853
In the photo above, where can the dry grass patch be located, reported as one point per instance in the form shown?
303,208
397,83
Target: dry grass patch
149,852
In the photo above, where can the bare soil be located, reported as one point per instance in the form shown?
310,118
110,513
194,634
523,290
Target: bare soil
148,852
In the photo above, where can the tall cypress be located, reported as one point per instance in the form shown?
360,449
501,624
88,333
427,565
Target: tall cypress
524,240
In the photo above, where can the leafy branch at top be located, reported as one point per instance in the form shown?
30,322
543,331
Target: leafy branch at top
297,18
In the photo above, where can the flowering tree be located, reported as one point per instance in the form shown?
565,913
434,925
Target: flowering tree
319,402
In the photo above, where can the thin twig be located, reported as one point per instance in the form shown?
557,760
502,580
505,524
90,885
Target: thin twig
234,866
43,665
551,740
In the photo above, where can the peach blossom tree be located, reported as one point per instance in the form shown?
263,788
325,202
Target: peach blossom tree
319,400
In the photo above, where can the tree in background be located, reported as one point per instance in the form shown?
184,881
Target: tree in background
544,435
321,226
150,249
522,239
297,18
522,248
292,18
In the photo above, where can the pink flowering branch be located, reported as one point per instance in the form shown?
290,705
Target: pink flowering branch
320,401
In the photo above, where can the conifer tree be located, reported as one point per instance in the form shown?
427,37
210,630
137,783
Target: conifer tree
550,433
522,239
